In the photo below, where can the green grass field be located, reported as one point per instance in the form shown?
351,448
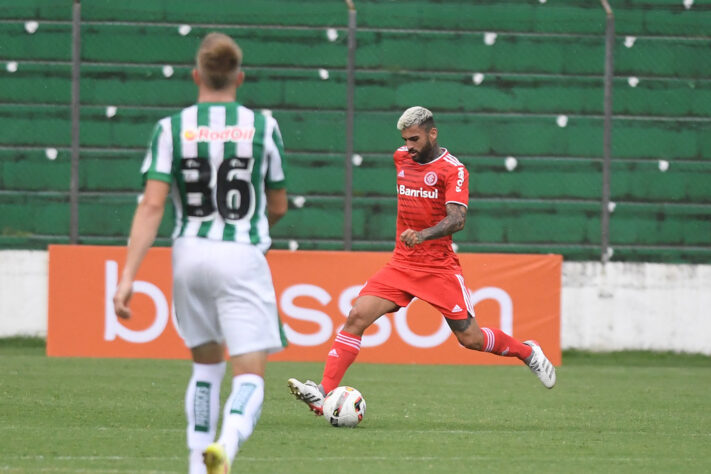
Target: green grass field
621,412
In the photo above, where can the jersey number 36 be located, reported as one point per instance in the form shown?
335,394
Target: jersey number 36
234,192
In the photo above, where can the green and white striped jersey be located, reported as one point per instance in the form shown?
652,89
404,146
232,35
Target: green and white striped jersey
219,158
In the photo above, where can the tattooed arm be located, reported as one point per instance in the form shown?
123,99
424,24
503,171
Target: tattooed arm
454,222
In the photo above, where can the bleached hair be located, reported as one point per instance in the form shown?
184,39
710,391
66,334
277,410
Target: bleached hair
415,116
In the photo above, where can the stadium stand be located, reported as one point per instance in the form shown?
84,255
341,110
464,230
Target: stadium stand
521,80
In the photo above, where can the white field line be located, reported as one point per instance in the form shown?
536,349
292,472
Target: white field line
375,430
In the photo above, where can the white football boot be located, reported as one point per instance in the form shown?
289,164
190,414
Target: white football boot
309,393
540,365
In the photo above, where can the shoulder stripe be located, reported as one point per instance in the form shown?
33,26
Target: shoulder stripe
452,160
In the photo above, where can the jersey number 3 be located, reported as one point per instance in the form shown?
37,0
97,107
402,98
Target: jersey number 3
234,192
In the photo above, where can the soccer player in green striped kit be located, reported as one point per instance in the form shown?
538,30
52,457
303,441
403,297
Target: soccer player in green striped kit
222,164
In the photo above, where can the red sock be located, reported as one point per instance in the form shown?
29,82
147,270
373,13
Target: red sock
498,342
343,352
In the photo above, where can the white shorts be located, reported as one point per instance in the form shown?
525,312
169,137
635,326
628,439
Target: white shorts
223,292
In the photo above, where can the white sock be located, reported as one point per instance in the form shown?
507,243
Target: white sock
242,410
195,462
202,408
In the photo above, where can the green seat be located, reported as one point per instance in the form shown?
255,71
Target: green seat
38,83
661,224
51,42
25,214
29,170
575,17
249,12
518,16
643,181
320,218
162,44
36,10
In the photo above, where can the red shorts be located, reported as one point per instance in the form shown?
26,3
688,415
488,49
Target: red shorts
445,291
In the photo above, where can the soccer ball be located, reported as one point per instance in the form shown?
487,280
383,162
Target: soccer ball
344,406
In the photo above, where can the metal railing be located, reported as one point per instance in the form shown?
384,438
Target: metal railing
607,133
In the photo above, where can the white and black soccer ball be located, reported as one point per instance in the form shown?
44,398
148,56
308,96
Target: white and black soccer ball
344,406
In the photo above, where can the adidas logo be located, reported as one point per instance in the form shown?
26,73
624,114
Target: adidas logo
456,308
333,353
401,174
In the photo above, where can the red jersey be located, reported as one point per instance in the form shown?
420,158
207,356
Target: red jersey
423,192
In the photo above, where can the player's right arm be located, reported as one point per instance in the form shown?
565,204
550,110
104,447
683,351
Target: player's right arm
149,212
144,229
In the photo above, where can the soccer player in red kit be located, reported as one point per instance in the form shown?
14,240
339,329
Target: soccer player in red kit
432,198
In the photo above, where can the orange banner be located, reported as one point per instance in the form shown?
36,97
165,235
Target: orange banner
519,294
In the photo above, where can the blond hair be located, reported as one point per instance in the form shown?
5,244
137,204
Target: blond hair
417,115
218,61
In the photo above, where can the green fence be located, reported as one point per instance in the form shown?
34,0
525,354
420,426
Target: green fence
516,87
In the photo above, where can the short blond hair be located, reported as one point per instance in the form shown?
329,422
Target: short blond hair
218,60
417,115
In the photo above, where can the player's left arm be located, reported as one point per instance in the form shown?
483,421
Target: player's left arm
453,222
277,205
277,201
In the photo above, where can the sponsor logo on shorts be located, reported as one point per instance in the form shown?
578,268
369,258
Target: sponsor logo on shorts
422,193
227,134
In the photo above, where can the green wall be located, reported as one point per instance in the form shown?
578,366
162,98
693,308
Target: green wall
547,60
